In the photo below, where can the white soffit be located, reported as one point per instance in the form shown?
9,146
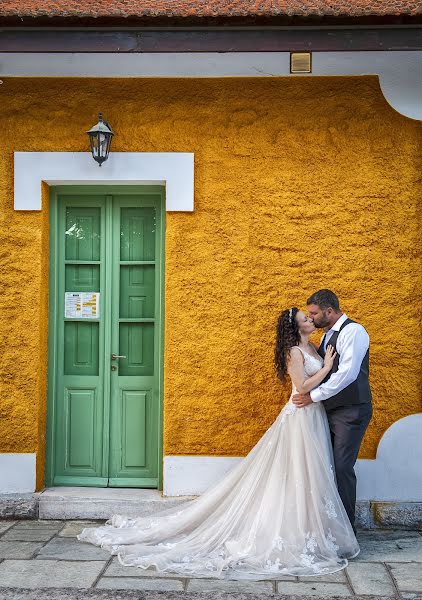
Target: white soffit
400,72
173,169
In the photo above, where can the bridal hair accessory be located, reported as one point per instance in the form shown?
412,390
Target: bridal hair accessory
290,315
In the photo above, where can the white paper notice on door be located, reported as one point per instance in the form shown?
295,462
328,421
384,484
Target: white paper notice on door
82,305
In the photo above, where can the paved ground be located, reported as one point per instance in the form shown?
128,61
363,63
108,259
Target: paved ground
43,559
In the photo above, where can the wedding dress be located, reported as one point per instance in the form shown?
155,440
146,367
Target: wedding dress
277,512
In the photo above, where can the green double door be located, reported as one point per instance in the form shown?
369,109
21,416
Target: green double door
105,317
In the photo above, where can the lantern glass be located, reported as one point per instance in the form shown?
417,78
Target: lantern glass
100,137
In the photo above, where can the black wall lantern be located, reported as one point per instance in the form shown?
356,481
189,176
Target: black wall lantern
100,138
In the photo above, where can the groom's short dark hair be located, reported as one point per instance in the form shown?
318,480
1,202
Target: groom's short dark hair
324,299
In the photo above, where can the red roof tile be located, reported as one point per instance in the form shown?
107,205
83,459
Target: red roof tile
206,9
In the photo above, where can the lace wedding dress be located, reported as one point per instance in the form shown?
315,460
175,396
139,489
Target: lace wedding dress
277,512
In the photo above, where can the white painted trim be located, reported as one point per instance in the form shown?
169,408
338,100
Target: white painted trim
395,475
17,473
400,72
175,170
192,475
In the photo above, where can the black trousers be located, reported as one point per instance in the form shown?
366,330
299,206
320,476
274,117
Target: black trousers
348,425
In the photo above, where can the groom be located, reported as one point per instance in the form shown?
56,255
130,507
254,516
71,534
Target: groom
345,391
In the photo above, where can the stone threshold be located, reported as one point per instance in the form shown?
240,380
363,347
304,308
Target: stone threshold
87,503
100,503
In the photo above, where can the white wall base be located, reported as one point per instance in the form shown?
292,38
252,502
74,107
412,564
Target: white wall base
172,169
192,475
17,473
395,474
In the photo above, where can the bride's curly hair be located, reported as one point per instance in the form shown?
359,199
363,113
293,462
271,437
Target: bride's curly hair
287,337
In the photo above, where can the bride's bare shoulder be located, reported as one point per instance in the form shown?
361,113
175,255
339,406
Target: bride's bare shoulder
296,354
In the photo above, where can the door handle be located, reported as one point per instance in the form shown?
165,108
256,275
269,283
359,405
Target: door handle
116,356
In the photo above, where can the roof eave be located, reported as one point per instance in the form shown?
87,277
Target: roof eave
251,20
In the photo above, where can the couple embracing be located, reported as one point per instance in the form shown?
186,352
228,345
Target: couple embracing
288,508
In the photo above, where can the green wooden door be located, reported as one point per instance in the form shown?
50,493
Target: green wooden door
105,337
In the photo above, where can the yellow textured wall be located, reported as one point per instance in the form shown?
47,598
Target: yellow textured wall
300,183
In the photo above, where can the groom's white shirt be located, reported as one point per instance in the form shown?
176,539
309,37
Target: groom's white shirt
352,345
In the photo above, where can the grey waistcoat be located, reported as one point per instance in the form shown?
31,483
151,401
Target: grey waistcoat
358,392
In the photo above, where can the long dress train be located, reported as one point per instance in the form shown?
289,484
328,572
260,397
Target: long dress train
277,512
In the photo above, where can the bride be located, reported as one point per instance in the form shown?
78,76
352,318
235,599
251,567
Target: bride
277,512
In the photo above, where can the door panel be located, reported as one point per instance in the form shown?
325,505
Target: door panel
81,351
133,414
137,236
78,378
137,291
104,412
82,278
80,411
83,233
134,403
137,344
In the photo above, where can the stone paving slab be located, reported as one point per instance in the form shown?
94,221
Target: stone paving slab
115,569
401,549
134,583
313,589
71,549
49,573
244,596
40,524
407,576
5,525
73,594
104,594
386,534
78,594
338,577
28,535
19,549
74,528
370,578
211,585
